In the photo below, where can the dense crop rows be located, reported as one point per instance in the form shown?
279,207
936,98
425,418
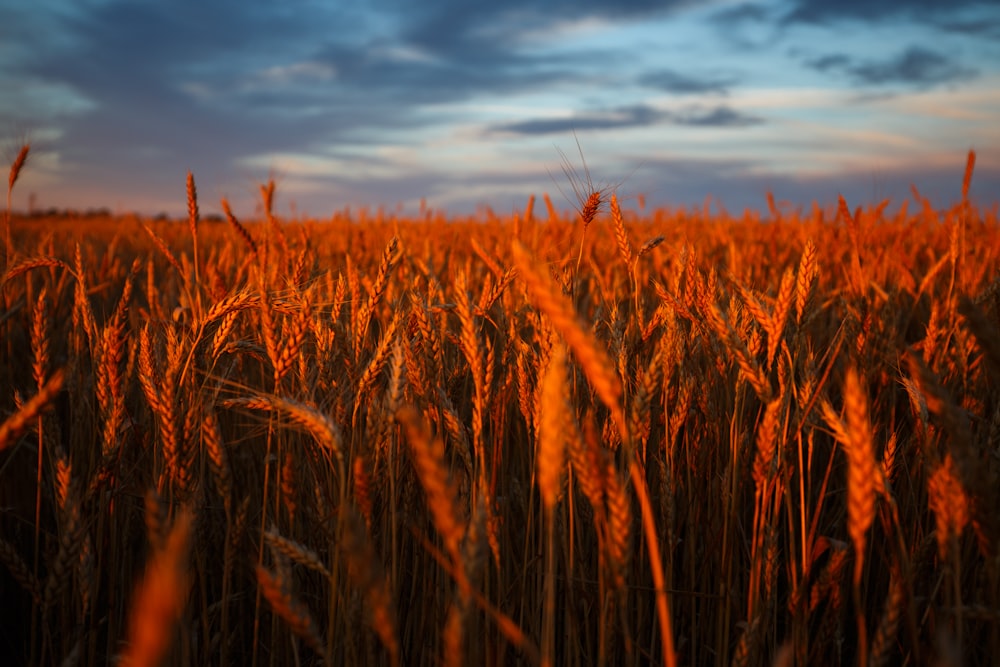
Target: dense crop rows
603,438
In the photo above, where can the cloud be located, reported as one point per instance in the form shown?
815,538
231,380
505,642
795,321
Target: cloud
972,27
747,12
634,116
824,11
915,66
720,116
831,62
132,93
451,28
629,117
301,71
676,82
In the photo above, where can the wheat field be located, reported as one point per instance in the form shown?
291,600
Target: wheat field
608,436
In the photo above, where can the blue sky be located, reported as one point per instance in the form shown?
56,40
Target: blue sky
463,103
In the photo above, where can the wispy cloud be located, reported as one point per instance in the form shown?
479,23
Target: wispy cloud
672,81
635,116
915,66
720,116
823,11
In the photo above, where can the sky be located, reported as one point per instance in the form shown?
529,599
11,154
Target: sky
465,104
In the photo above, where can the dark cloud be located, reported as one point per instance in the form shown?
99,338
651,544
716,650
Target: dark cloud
634,116
721,116
628,117
143,90
824,11
973,28
747,12
481,31
205,86
833,61
685,84
190,63
915,66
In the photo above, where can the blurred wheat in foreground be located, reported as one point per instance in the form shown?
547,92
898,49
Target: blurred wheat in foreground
675,439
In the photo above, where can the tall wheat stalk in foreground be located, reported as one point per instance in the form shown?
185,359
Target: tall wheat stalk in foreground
551,458
860,490
160,598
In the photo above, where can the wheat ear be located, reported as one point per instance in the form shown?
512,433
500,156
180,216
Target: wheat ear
15,425
276,590
861,489
428,459
15,171
594,360
160,598
240,229
551,448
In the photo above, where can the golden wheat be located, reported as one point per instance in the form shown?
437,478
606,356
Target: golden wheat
635,456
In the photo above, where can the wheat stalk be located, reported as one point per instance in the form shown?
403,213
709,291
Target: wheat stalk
15,171
390,257
15,425
160,598
242,231
949,502
594,361
319,425
276,590
861,473
295,551
553,412
367,575
428,459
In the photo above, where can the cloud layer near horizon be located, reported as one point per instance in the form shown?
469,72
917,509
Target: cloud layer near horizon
464,103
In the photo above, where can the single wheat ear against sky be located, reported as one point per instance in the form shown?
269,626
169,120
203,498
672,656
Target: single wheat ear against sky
458,104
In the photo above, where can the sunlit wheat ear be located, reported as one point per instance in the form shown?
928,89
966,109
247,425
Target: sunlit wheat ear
240,229
551,448
589,198
160,598
970,165
587,459
432,470
767,436
593,359
15,171
30,264
805,281
19,422
319,425
651,244
619,523
861,468
211,438
949,502
590,207
15,168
